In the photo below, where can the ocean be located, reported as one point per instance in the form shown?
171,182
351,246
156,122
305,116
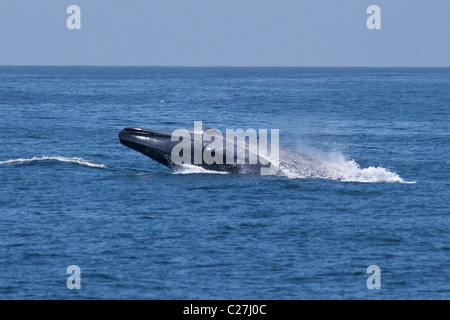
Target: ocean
71,194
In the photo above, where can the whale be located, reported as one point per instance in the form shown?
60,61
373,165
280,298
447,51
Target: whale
163,147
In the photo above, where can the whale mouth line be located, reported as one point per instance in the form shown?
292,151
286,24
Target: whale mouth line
134,134
140,131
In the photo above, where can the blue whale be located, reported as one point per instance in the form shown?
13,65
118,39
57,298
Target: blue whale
159,145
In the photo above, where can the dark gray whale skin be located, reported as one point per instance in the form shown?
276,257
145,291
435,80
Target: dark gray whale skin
154,144
158,146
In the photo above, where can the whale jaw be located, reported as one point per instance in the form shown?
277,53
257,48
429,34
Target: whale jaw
156,145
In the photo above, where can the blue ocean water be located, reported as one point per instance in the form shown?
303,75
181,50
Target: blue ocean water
71,194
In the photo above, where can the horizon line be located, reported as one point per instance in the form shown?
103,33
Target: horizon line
213,66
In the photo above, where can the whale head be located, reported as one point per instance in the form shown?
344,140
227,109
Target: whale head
201,146
155,144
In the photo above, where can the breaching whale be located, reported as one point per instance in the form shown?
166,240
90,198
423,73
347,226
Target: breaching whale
219,153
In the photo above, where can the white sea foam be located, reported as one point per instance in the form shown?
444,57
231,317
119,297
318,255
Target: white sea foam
342,169
336,167
189,169
348,170
79,161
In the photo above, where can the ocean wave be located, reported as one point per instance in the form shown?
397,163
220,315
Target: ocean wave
76,160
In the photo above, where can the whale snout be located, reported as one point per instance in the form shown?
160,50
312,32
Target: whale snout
132,134
152,143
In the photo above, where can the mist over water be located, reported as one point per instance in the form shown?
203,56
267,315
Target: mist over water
71,194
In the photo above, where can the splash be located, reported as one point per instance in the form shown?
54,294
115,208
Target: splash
79,161
337,167
189,169
348,170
